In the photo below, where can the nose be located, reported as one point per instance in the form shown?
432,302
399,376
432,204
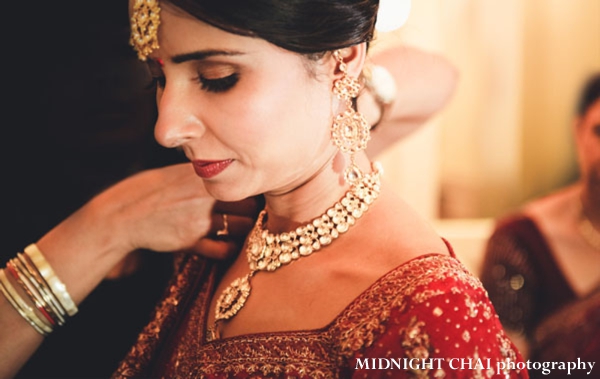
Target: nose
177,123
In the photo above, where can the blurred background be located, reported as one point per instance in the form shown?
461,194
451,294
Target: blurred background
505,137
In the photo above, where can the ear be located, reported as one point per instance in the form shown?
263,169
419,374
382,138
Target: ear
354,57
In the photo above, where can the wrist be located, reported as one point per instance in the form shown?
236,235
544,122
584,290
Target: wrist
381,85
90,241
380,82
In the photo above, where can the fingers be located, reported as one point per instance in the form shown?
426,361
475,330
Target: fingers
238,227
231,239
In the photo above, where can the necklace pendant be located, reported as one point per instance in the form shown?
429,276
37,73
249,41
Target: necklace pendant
268,252
212,333
233,298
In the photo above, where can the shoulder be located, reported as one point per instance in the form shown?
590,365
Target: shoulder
514,223
429,307
413,284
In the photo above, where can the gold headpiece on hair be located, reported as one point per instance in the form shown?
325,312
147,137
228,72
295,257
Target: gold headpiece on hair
144,27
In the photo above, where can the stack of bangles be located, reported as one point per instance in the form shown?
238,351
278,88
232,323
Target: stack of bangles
33,289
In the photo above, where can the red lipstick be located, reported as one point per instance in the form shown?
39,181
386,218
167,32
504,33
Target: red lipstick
208,169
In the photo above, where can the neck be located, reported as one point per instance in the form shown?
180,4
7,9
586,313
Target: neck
590,206
313,197
588,223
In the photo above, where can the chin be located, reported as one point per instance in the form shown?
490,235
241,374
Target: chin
227,193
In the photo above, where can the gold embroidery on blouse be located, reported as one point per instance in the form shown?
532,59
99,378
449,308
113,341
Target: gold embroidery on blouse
165,312
477,374
318,353
415,342
466,336
505,347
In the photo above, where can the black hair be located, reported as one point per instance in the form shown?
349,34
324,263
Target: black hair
309,27
589,94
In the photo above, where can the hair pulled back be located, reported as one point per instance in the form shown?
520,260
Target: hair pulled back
589,94
302,26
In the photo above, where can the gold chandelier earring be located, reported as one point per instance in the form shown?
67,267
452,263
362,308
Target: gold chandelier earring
350,130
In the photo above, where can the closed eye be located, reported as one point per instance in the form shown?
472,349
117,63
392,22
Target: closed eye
219,85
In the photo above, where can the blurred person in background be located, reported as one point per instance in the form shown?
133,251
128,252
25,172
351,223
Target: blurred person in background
542,263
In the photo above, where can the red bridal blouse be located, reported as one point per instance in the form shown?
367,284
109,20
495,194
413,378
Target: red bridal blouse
428,310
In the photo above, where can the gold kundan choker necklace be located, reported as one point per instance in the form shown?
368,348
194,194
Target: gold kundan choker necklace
268,252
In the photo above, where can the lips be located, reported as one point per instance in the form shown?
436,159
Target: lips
209,169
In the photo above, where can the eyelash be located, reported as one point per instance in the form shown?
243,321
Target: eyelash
210,85
220,84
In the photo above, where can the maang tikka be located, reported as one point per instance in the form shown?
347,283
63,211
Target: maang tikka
145,19
350,130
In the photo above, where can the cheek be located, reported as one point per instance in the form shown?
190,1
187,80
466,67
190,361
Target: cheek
282,110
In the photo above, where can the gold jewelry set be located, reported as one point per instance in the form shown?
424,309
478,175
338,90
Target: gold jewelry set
36,293
266,251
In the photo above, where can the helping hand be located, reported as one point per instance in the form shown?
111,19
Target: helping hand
168,209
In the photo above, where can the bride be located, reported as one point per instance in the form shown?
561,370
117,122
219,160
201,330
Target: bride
259,96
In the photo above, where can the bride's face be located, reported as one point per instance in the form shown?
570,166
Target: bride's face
253,117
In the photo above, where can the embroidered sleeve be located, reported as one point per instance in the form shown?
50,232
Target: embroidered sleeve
510,281
445,327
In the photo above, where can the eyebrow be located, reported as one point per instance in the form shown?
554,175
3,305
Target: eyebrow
203,54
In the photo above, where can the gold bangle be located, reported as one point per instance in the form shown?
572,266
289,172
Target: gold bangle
20,306
31,273
34,296
58,288
35,291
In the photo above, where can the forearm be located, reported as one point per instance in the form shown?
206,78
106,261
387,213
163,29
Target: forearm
84,248
425,81
18,340
424,84
164,210
80,251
